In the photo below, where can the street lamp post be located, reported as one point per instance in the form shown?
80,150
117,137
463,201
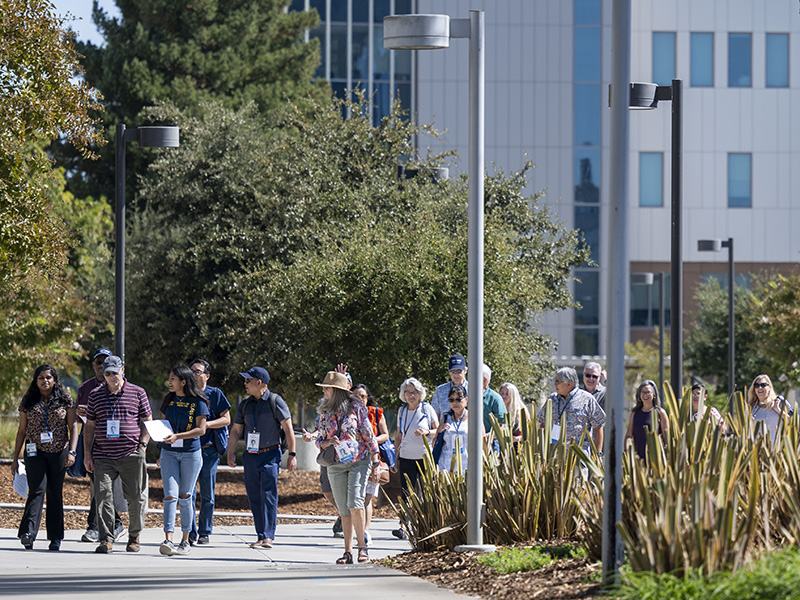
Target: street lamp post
427,32
716,246
647,96
147,137
649,279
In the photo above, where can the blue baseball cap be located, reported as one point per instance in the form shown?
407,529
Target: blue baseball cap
457,362
102,352
259,373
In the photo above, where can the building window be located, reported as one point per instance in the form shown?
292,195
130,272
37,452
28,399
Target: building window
740,60
777,74
702,59
651,179
663,57
743,280
586,114
739,180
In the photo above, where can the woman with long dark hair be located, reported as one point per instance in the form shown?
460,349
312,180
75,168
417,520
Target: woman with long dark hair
186,409
49,431
646,415
344,425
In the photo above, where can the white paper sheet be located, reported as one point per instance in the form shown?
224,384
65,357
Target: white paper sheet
158,429
21,481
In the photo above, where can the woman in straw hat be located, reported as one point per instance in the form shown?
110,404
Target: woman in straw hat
344,424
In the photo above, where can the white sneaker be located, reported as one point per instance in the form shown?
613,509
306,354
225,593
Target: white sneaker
167,548
183,548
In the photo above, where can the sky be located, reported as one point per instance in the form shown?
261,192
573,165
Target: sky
81,11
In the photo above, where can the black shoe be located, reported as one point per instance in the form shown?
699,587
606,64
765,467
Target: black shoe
55,545
338,532
27,541
202,540
400,534
192,541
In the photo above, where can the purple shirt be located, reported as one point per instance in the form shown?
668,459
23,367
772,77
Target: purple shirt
130,406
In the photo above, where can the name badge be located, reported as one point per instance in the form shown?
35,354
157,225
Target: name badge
46,437
253,439
555,433
112,428
30,449
177,444
344,454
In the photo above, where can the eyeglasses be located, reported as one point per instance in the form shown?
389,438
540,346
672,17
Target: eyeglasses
590,376
456,399
761,384
198,372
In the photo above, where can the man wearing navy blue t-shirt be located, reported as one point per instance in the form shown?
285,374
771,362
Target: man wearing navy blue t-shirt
213,443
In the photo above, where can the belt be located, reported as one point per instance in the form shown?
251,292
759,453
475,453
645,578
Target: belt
208,445
267,449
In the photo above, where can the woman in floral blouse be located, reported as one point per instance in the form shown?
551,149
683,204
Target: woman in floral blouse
344,424
49,431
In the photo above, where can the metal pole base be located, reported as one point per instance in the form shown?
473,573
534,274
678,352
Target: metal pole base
476,548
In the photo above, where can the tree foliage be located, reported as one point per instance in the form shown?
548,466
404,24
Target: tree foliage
288,241
188,52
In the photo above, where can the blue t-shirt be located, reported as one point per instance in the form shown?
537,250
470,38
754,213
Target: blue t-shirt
217,404
182,413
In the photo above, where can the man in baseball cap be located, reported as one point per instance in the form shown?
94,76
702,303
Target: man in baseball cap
457,369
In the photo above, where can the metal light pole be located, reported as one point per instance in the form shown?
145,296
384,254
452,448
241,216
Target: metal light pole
617,310
647,95
147,137
647,278
716,246
427,32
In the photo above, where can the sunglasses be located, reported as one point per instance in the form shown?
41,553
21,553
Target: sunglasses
761,384
99,361
456,399
590,376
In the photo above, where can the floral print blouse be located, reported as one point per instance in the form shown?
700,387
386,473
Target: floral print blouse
356,430
56,423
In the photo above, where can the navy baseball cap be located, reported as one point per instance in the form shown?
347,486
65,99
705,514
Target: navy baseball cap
102,352
457,362
259,373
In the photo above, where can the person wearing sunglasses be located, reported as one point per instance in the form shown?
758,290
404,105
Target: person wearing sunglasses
766,406
91,534
591,383
455,428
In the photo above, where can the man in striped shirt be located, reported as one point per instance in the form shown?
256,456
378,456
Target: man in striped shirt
115,440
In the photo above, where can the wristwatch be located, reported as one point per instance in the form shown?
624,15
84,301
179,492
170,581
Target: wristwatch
375,465
73,453
292,453
143,444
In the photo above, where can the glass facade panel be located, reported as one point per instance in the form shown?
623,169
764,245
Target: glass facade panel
743,280
740,60
586,56
587,341
588,12
587,114
587,175
319,33
702,58
360,10
360,54
651,179
644,304
382,102
402,65
586,295
318,4
739,180
663,57
587,220
338,51
777,60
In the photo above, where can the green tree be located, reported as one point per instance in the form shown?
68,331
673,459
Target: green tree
188,52
776,319
298,247
706,345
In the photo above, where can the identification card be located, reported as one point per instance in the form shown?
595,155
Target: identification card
555,433
112,428
253,439
46,437
344,454
30,449
177,444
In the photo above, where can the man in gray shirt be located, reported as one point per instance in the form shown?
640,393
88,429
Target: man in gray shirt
591,383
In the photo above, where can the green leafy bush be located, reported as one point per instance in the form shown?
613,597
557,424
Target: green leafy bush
515,560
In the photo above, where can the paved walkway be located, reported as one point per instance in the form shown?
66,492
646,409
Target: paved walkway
300,566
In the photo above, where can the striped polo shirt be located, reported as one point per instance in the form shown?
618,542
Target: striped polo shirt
130,406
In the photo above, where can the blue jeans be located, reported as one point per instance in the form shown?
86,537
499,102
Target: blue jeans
261,485
179,471
207,482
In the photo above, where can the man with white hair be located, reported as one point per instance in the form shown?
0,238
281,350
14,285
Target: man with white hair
492,403
591,383
579,409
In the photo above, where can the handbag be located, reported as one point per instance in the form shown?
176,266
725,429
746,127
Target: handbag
438,445
327,457
383,474
388,453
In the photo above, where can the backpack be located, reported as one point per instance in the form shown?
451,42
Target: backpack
273,401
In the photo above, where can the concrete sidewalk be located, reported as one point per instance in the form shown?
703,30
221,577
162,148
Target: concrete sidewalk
300,566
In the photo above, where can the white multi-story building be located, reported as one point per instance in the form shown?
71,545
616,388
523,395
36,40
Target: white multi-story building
548,67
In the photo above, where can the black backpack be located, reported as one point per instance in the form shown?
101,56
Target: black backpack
273,400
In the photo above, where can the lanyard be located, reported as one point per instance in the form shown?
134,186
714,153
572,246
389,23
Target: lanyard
569,399
458,423
45,410
408,424
256,414
113,408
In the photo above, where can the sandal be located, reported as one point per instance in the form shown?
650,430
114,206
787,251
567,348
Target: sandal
346,559
363,555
